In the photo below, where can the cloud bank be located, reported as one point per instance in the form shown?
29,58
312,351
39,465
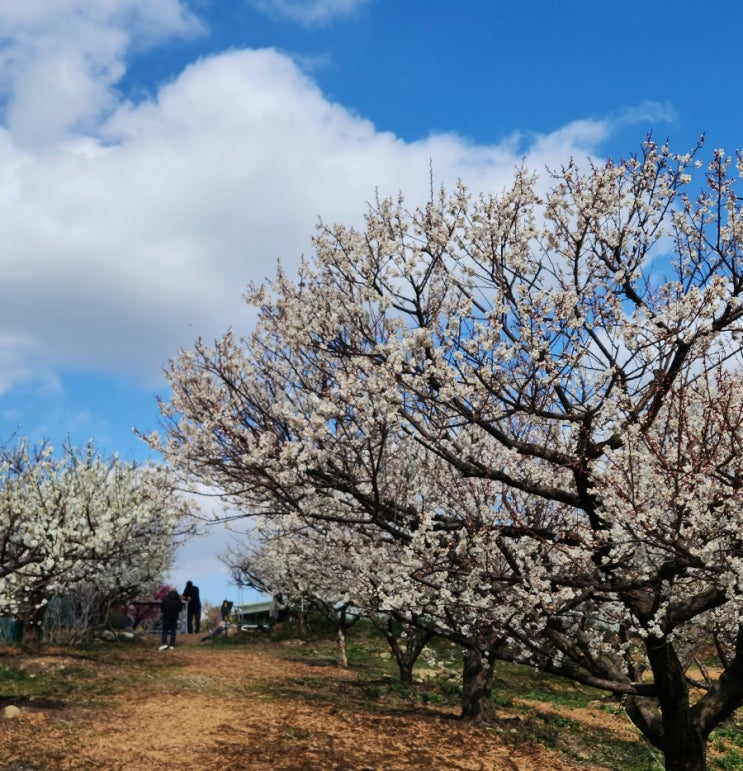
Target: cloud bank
132,228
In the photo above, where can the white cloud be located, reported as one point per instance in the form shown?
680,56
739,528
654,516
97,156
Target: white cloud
124,243
308,12
59,61
648,112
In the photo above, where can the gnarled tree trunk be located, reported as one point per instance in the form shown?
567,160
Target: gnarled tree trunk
477,686
683,745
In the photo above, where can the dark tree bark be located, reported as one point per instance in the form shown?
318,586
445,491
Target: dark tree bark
477,686
683,745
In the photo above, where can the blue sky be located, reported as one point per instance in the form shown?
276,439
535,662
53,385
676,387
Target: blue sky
157,155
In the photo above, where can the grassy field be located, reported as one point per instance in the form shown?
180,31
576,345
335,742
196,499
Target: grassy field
580,726
578,723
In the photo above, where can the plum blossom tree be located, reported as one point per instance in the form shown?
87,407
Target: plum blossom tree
325,565
572,347
363,476
77,518
299,562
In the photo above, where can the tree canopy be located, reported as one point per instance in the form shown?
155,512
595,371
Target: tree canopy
538,394
77,518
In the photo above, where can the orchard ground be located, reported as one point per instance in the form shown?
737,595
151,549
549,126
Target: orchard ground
262,703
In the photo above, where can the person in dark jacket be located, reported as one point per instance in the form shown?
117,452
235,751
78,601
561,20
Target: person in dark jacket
171,608
193,611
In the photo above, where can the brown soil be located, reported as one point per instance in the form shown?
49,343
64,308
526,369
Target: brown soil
218,707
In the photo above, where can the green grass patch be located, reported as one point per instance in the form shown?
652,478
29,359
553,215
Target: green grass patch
23,682
728,735
532,685
726,747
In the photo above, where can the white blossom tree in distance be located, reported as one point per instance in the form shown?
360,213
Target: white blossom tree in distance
75,517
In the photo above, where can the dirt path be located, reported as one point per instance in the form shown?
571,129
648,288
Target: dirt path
215,707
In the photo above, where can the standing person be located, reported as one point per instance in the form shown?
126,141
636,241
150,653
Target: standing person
193,610
171,608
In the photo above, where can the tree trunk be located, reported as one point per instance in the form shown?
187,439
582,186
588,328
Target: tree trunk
342,655
31,638
32,631
684,747
405,668
415,638
691,755
477,686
